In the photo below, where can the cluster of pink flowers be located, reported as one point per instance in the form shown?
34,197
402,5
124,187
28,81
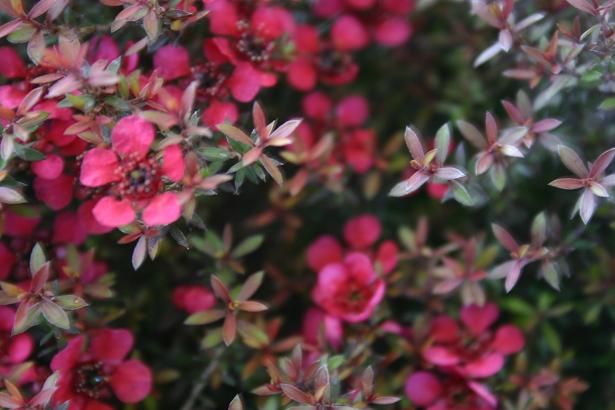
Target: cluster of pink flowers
351,281
456,360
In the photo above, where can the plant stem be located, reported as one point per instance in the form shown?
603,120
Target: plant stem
202,380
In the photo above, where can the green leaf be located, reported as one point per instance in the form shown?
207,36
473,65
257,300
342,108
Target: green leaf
205,317
28,154
37,258
248,245
212,338
70,302
552,338
443,140
461,194
55,315
215,153
608,104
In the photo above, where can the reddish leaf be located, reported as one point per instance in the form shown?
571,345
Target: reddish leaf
572,161
414,144
296,394
417,180
602,163
505,238
229,329
250,286
567,183
252,306
220,289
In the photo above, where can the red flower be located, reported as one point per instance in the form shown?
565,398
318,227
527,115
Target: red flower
318,328
348,34
461,356
12,65
13,349
423,388
350,290
7,261
172,62
193,298
362,231
134,176
96,372
318,59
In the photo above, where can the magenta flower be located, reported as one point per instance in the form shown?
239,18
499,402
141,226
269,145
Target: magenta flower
590,178
462,357
133,176
172,62
320,328
361,234
350,290
193,298
13,349
94,370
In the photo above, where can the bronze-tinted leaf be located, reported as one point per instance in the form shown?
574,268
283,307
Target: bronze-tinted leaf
205,317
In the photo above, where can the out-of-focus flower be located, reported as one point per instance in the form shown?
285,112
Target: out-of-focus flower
94,369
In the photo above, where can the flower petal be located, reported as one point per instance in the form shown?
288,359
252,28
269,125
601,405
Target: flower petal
162,210
99,168
111,344
132,135
112,212
478,318
173,164
132,381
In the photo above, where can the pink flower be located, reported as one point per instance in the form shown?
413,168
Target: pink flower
95,369
49,168
318,327
476,352
218,112
12,65
67,228
352,111
392,32
324,251
172,62
349,34
317,106
423,388
21,225
133,176
359,147
193,298
13,349
349,290
362,231
55,193
7,261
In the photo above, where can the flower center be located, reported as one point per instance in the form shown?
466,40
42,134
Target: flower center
254,48
353,297
211,78
140,178
333,62
90,380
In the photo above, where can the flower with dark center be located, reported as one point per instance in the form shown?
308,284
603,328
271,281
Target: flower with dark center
94,368
90,380
133,176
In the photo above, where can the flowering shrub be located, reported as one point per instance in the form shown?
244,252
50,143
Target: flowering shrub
308,205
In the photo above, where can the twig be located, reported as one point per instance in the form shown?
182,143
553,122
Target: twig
202,380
